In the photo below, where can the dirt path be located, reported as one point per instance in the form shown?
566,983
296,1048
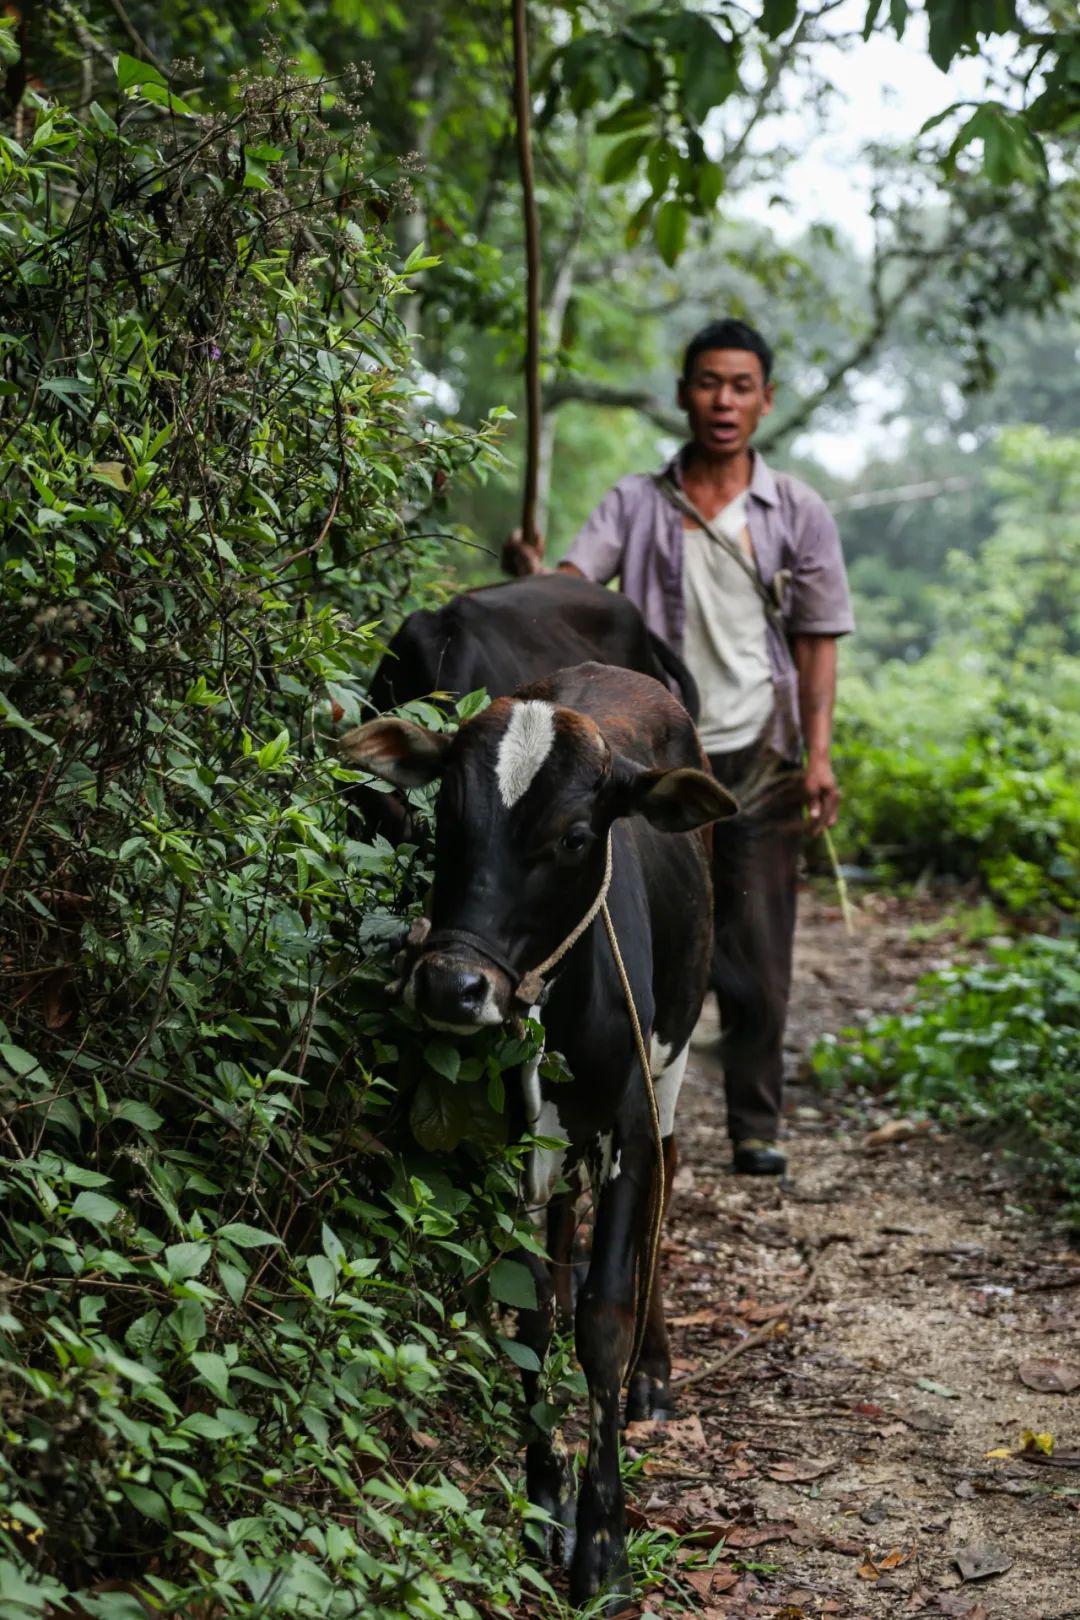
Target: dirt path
844,1457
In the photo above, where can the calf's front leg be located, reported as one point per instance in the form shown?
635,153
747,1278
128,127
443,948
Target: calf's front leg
548,1482
605,1337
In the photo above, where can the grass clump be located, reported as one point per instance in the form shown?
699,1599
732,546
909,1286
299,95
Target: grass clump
995,1046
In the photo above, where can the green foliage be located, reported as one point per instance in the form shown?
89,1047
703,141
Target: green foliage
983,786
996,1046
965,762
244,1363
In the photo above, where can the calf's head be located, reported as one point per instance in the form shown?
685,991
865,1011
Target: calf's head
527,795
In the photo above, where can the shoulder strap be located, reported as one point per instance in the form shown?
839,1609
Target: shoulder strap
678,498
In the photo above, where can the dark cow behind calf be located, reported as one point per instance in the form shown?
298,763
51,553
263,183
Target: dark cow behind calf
501,636
532,790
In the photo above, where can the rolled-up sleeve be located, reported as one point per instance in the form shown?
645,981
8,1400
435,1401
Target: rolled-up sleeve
820,598
598,546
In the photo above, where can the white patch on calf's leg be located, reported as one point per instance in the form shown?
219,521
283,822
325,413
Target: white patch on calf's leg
668,1075
544,1165
525,745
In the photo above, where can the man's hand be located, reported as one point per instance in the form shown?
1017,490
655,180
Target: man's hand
519,559
822,793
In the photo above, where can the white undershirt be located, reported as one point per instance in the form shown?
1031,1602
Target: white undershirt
724,643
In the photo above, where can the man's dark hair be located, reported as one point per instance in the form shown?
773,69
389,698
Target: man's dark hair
728,334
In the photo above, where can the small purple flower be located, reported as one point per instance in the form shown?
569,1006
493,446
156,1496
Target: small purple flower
215,352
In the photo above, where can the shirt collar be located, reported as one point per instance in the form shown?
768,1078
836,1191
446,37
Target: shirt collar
762,482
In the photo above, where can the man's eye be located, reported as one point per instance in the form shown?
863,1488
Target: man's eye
574,839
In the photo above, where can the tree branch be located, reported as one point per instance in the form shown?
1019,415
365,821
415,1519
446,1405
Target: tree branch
604,394
885,309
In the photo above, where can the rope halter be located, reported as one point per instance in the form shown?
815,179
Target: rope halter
528,986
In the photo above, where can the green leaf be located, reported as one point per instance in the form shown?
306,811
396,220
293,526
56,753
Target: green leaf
444,1058
131,73
185,1260
511,1283
246,1237
21,1062
213,1369
670,228
932,1387
522,1355
439,1116
624,157
150,1503
323,1274
419,260
9,45
233,1280
871,17
472,703
272,753
102,119
140,1114
777,16
94,1206
163,97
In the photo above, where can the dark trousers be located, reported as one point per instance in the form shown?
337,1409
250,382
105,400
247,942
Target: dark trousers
755,867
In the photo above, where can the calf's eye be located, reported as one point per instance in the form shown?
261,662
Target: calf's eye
574,839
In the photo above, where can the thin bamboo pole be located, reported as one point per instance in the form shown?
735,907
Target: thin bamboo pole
532,272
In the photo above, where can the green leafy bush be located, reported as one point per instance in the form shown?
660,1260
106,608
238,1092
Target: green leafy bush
237,1368
979,785
996,1046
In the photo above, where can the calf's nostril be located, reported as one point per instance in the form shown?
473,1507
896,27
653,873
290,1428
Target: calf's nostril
452,992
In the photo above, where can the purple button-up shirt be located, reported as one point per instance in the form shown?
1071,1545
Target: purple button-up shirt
636,535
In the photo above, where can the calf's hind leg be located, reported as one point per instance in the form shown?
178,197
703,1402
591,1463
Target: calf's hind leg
649,1395
548,1482
605,1336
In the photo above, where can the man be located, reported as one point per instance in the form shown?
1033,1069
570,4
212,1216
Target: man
740,570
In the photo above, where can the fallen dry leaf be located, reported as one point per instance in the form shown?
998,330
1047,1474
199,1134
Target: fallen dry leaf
696,1319
749,1535
1049,1375
1044,1442
710,1582
896,1558
960,1606
980,1560
868,1571
895,1130
793,1472
685,1434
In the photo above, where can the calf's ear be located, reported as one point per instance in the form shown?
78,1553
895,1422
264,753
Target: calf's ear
679,800
398,751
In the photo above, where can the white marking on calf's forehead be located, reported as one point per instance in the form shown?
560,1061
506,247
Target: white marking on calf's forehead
523,748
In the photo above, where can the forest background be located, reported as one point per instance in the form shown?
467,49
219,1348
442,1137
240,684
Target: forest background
261,291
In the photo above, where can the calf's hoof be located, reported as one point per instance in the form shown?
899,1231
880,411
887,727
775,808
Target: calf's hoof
553,1539
600,1565
649,1397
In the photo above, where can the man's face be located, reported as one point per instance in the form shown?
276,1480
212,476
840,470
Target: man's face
725,397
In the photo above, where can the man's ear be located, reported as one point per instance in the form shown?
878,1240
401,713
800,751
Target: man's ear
676,801
398,751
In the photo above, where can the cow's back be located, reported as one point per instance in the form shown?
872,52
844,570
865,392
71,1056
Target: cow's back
501,636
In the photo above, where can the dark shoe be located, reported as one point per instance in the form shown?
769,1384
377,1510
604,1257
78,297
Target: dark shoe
753,1158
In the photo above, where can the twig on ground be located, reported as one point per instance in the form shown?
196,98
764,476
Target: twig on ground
760,1336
